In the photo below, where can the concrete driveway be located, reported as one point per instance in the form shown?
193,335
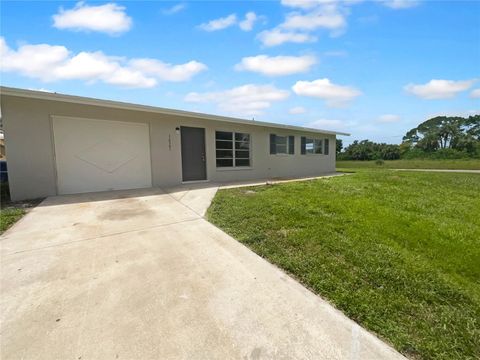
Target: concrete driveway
141,275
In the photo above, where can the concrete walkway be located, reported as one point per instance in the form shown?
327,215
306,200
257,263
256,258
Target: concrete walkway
141,275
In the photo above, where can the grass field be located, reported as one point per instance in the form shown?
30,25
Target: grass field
464,164
396,251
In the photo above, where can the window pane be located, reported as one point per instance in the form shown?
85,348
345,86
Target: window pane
242,162
281,140
224,162
242,145
223,135
224,145
242,154
281,144
242,137
224,154
318,146
309,146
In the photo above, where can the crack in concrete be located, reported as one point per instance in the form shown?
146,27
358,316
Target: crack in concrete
102,236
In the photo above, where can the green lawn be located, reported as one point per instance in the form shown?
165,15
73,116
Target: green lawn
9,216
399,252
464,164
11,212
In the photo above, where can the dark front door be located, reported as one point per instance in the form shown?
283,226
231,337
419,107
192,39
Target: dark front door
193,153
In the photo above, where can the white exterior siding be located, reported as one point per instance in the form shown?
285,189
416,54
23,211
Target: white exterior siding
28,125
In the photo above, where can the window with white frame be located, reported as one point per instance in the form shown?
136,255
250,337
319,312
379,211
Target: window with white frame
232,149
311,146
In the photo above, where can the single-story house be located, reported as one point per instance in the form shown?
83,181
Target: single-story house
63,144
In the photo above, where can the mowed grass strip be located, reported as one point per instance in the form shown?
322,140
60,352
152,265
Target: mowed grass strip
459,164
9,216
399,252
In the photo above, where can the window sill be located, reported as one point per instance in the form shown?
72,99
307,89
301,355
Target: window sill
239,168
282,155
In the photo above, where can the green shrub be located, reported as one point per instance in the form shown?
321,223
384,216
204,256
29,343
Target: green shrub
440,154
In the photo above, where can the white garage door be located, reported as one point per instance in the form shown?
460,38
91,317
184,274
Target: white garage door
98,155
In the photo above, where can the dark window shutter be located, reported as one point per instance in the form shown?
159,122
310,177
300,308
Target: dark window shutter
326,147
273,145
304,145
291,145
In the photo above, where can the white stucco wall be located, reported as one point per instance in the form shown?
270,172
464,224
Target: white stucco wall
30,149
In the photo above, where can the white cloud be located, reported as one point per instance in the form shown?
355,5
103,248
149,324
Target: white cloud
475,93
334,95
219,24
388,118
250,19
222,23
297,110
249,99
128,78
175,9
108,18
305,4
87,65
309,15
41,89
327,124
278,36
400,4
32,60
54,63
328,17
451,112
439,89
168,72
276,65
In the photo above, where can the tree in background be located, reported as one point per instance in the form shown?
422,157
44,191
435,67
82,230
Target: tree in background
446,132
438,138
368,150
339,145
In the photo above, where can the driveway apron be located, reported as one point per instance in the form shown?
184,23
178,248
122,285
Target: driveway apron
140,274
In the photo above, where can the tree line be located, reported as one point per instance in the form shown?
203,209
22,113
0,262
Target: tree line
440,137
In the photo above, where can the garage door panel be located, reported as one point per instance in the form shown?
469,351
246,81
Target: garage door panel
98,155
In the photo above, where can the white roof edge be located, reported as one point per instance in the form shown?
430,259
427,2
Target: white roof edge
44,95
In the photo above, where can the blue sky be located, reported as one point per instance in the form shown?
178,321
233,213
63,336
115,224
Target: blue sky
371,68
